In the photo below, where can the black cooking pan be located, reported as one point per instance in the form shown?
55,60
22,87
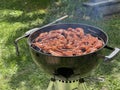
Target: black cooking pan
70,66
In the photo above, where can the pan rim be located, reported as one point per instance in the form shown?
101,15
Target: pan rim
105,43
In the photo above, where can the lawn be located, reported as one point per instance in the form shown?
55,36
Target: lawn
17,17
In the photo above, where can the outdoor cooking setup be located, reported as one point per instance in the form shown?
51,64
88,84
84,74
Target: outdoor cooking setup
68,72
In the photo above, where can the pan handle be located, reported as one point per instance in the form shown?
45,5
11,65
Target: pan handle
111,55
23,36
33,30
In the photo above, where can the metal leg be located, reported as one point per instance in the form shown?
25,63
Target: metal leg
51,86
59,85
82,85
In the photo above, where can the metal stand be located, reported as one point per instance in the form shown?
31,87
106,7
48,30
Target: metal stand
67,85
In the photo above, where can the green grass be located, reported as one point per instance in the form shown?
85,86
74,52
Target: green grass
17,17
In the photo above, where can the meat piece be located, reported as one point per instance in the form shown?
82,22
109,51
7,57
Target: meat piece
55,53
92,49
41,36
40,45
77,52
67,53
98,44
70,29
80,32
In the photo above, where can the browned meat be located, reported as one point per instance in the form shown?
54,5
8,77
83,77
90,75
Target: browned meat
55,53
68,42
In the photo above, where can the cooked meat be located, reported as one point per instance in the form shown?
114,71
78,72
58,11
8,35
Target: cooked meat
68,42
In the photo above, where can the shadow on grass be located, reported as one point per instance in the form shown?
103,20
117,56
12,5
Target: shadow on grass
24,5
20,11
23,18
28,75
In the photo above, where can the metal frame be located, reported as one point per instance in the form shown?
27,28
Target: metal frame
67,85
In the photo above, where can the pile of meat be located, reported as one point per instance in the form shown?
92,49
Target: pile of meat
70,42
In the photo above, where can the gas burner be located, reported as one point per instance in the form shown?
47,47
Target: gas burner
67,84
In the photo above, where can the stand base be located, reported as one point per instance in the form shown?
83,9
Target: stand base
67,85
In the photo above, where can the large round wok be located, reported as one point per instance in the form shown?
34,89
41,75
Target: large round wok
70,66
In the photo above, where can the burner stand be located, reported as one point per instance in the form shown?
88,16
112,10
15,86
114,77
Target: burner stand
56,84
